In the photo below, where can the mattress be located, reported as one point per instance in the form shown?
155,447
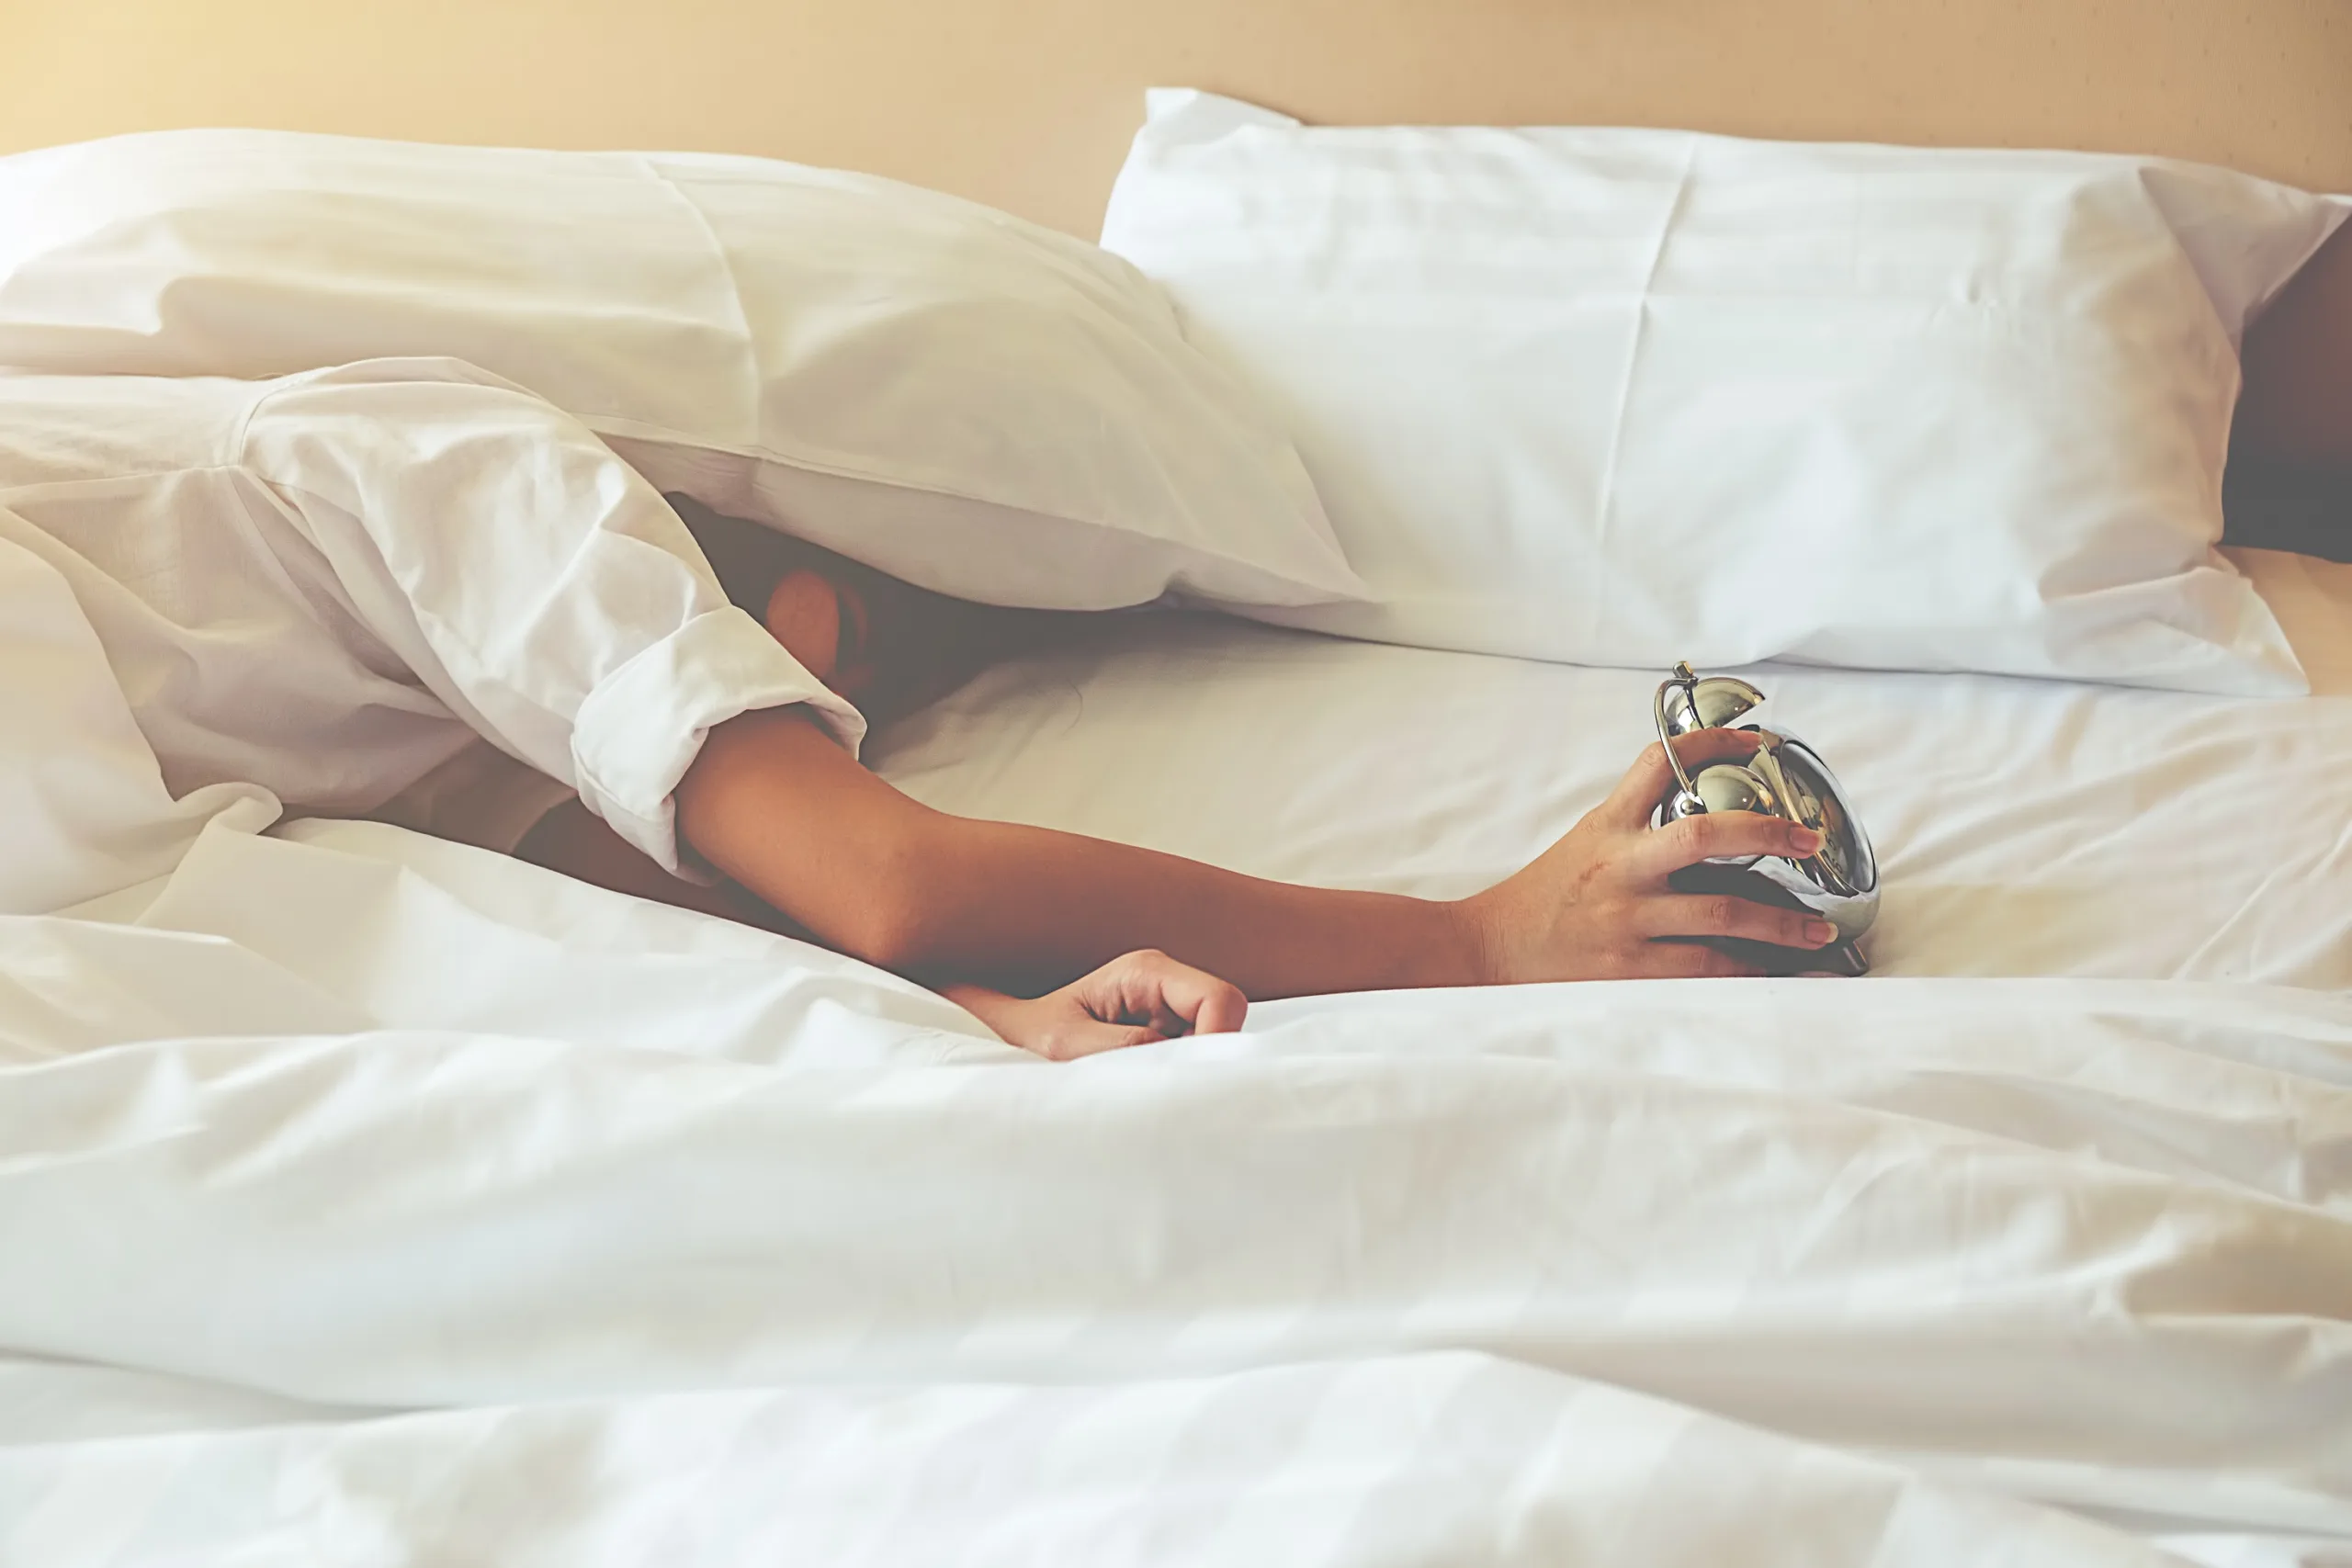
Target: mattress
2023,828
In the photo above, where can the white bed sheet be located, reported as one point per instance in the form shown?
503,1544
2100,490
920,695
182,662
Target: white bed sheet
364,1197
2024,827
379,1199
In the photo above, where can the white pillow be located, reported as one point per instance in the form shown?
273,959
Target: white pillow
944,392
1624,397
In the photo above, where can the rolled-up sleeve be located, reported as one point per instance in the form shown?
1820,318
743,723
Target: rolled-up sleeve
526,576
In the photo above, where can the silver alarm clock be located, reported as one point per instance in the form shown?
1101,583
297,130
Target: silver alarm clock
1785,778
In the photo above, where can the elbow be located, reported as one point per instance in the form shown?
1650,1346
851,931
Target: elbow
887,934
775,805
894,917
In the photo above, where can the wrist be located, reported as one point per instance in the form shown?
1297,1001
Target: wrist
1475,940
999,1011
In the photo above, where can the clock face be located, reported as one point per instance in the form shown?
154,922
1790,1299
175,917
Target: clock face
1815,799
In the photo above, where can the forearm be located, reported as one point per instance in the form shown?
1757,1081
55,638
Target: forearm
775,805
1028,909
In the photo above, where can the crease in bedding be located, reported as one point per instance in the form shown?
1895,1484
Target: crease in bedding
793,1257
371,1197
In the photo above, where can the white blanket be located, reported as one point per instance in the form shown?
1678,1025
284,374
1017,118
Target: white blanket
374,1199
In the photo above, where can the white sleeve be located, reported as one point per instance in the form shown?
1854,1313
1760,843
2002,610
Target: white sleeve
529,577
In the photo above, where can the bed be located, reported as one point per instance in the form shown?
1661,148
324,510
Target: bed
364,1197
1257,749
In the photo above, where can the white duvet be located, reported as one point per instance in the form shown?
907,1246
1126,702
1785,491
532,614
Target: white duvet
367,1198
376,1200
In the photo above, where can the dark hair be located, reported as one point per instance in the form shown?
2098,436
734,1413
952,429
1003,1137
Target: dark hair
749,557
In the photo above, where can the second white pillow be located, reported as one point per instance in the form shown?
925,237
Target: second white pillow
1624,397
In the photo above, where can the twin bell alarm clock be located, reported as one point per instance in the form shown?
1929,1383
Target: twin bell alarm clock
1785,778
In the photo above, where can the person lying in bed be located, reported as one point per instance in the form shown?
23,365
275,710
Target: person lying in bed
997,913
999,917
347,586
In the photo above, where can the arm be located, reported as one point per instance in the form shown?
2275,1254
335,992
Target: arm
1137,997
774,802
775,805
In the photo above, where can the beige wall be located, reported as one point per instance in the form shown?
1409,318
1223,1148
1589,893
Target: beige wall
1028,102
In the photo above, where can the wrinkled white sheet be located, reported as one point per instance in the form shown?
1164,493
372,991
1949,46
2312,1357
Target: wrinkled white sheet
366,1198
377,1199
2024,827
1450,1459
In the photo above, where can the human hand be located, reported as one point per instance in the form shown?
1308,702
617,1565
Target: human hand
1597,905
1135,999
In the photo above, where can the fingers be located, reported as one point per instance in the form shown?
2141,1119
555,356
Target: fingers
1068,1039
1137,999
1721,834
1725,914
1645,783
1208,1005
1150,987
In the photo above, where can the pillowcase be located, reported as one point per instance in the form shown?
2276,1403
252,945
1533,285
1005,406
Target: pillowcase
1625,397
945,392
